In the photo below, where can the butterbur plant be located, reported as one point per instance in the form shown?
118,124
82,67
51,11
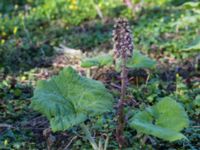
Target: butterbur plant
123,48
68,99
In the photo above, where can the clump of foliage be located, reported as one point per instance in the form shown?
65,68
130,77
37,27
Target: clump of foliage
70,99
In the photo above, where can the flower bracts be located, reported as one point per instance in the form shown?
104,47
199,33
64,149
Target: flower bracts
122,38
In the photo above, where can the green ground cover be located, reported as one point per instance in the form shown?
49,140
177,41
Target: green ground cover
167,31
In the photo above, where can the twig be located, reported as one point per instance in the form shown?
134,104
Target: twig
6,126
99,12
70,142
115,86
196,126
147,77
106,142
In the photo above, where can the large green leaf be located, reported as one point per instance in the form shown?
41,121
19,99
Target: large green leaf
191,5
69,99
164,120
137,61
99,61
197,100
194,46
140,61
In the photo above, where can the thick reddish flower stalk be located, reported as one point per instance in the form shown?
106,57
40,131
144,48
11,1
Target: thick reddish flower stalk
123,48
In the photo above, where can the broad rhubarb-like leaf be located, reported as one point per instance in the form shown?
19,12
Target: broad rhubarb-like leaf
69,99
164,120
137,61
99,61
